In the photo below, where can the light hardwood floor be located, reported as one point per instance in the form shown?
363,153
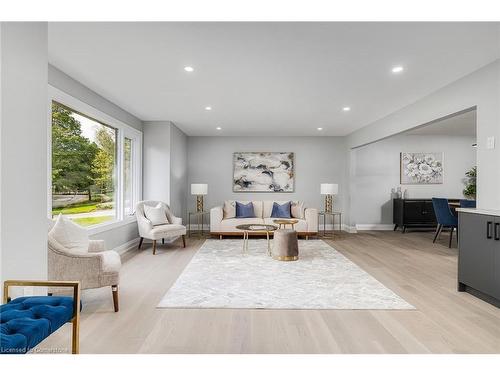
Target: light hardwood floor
422,273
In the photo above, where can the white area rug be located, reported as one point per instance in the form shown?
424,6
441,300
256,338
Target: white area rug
219,276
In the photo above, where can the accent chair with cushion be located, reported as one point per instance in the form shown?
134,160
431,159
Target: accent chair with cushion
224,218
156,222
72,256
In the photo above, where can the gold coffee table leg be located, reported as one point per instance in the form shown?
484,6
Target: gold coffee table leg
246,249
244,239
245,242
268,244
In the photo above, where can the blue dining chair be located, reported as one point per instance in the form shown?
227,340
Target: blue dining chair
445,217
467,203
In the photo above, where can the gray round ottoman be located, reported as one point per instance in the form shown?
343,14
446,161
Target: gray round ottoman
285,245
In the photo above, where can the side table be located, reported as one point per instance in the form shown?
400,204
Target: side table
324,215
200,222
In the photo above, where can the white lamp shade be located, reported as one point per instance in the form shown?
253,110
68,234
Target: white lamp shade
329,189
199,189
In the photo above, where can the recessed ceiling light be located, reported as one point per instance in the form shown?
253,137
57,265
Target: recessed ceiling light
346,109
208,108
218,128
320,129
397,69
189,69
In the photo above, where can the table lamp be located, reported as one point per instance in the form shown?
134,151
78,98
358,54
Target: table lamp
329,190
199,190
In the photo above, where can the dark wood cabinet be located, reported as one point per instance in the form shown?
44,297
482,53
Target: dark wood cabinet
479,255
413,213
416,213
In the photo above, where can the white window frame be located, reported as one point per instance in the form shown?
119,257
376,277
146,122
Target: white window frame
122,130
136,165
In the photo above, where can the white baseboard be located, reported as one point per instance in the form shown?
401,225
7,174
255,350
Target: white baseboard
349,229
195,227
345,228
374,227
127,246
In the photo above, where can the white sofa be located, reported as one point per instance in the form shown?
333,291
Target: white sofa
222,225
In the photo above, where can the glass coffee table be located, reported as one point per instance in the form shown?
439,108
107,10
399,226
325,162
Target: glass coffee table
258,229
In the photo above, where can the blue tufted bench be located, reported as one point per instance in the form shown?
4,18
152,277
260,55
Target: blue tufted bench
27,321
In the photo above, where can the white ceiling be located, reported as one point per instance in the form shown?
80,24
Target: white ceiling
269,78
463,124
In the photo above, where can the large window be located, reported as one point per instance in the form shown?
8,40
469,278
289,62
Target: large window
83,167
95,166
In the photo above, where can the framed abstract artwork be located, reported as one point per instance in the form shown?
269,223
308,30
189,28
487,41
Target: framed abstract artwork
421,168
263,172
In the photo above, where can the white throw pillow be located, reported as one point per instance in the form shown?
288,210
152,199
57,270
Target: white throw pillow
70,236
297,210
229,209
157,215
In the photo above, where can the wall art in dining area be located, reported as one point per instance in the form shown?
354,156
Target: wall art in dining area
421,168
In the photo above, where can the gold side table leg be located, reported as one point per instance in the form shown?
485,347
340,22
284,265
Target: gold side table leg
340,223
333,227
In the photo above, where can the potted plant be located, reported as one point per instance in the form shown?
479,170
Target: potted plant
470,183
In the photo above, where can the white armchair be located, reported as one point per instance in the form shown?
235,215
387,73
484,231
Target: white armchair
158,232
95,268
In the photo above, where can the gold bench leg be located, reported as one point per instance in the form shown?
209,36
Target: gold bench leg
75,336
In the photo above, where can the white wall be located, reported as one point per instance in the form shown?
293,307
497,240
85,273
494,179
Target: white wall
156,161
70,86
23,150
178,172
317,160
481,89
165,165
376,170
115,237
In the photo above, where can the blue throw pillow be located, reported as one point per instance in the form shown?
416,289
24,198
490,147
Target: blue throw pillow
282,211
244,210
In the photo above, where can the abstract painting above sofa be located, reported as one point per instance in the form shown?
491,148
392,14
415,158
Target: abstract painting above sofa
263,172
